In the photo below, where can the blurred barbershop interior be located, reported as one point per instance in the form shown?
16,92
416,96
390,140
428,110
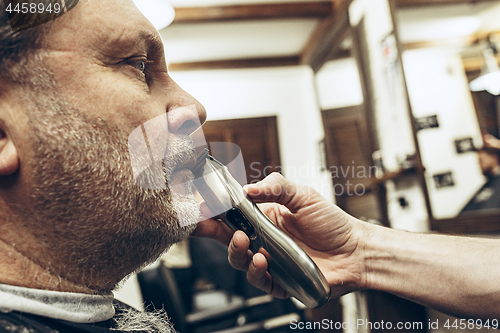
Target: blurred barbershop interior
389,108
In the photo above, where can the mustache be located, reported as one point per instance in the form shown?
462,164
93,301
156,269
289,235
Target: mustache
180,153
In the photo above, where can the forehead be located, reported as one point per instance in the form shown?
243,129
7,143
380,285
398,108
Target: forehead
102,26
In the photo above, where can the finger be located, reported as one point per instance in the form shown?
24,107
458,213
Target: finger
490,141
276,188
257,273
215,230
239,255
258,276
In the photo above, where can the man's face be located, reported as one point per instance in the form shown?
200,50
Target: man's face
109,60
109,76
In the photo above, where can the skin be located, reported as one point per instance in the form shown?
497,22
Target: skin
488,157
96,54
491,142
488,163
456,275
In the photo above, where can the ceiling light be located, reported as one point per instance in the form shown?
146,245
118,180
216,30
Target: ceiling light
159,12
489,79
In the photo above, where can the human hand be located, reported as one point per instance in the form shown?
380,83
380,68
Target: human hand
491,142
212,228
331,237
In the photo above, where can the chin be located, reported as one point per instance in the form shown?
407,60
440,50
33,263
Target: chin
187,209
185,204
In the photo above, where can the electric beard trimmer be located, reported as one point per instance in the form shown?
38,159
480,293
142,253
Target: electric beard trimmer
288,264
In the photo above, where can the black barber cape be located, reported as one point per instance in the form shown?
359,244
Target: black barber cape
18,322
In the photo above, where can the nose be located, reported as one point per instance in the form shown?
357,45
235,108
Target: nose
185,114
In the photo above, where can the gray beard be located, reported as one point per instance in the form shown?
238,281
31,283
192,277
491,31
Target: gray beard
94,223
147,322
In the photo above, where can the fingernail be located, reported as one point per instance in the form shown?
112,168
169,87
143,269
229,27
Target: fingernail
247,188
234,244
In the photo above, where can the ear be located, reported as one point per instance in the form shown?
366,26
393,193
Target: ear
9,159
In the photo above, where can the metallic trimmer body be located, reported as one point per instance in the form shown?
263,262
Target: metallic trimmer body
289,265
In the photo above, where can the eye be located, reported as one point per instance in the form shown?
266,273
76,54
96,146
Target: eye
140,65
142,68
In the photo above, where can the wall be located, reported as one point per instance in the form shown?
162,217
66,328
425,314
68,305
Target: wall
338,84
489,19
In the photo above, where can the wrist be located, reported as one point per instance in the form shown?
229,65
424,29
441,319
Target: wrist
362,236
368,232
373,247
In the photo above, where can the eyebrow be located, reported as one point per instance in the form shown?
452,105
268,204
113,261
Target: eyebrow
119,47
153,41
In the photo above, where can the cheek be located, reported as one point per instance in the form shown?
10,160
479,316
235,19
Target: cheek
109,95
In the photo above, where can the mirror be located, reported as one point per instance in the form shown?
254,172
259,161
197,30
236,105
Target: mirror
442,53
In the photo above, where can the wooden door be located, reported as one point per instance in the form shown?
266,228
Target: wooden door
256,137
348,156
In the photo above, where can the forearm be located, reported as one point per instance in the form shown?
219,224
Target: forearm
456,275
